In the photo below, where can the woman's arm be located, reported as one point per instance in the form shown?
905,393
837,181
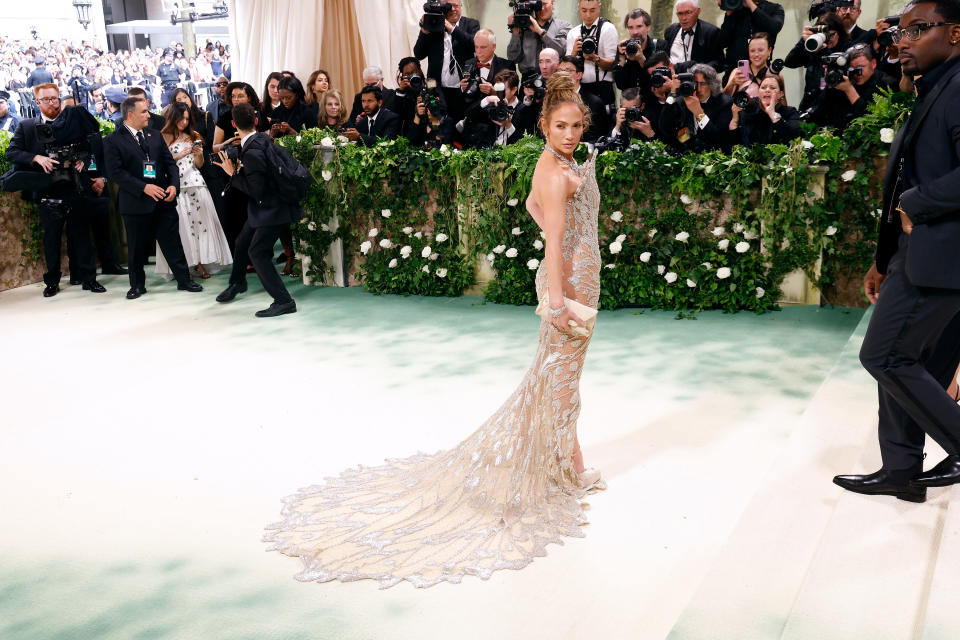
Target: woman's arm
218,136
552,196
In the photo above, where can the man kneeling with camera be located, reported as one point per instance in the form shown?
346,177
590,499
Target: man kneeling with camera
499,119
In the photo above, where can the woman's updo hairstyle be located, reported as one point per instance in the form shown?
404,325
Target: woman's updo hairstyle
561,89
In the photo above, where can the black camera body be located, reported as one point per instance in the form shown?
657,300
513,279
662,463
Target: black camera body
777,65
659,76
416,82
536,82
822,7
589,45
688,85
499,112
837,65
69,155
430,95
885,39
632,47
472,75
434,15
746,102
633,114
523,11
232,151
730,5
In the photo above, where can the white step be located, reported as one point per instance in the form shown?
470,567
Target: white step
752,585
942,621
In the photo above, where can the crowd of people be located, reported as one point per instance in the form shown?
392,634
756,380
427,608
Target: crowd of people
699,87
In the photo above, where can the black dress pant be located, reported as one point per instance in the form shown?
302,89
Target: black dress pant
912,348
164,224
98,212
54,215
235,206
456,104
255,246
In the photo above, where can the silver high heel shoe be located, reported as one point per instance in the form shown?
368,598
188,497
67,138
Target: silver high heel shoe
590,479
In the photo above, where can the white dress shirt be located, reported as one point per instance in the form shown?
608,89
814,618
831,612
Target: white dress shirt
682,48
449,79
606,48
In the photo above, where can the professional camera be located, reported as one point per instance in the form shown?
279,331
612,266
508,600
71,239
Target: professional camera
821,7
688,85
730,5
589,45
632,47
68,154
431,99
535,82
837,65
434,15
885,39
660,76
745,101
472,75
854,72
523,11
777,65
818,40
633,114
498,112
416,82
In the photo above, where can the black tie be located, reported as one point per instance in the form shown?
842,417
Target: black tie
142,143
688,32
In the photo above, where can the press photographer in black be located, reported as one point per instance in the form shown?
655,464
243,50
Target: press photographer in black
739,24
594,41
446,41
411,88
692,40
699,118
501,118
912,344
267,215
632,53
847,99
376,121
825,38
431,127
57,146
533,29
631,124
479,71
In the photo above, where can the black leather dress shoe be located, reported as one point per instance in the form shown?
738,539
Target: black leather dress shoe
231,292
94,286
142,289
189,285
113,270
879,484
277,310
74,282
945,473
51,290
133,294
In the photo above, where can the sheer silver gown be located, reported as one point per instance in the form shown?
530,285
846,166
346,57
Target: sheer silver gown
492,502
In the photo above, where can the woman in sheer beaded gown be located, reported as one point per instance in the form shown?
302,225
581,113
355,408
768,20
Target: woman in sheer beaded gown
517,483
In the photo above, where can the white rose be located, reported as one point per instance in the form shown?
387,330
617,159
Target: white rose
707,265
652,233
848,175
298,138
327,175
434,256
491,257
718,231
738,228
831,230
543,234
425,268
621,238
683,236
616,216
443,149
326,142
312,226
441,237
785,244
807,144
723,244
442,273
760,292
393,263
386,213
742,247
373,232
887,135
661,269
537,244
511,253
670,277
709,169
645,256
750,235
324,227
500,248
723,273
516,231
343,139
418,235
426,252
685,199
691,283
365,246
609,266
405,251
512,202
408,230
533,263
386,244
615,248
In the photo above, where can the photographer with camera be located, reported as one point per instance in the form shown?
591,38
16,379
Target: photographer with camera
413,88
765,119
499,119
446,41
48,144
632,53
663,83
849,13
431,127
742,19
376,121
599,123
478,72
858,82
631,123
827,37
691,40
594,42
533,28
698,118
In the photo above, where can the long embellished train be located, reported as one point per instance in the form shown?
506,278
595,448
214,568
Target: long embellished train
492,502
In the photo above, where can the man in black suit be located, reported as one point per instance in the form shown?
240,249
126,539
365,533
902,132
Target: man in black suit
267,216
139,161
40,75
850,15
376,121
374,75
701,121
691,40
912,344
599,122
59,203
487,132
447,52
737,27
477,81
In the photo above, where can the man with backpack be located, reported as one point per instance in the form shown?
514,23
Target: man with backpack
274,182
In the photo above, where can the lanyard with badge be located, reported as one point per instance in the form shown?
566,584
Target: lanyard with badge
149,167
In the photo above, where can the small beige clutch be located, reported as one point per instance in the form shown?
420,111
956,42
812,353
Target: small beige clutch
582,311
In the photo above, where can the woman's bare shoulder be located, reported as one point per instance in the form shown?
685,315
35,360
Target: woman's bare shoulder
551,181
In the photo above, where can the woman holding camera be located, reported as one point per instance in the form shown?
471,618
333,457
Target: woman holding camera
765,119
204,244
826,37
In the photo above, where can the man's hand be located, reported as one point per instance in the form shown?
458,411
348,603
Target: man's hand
872,282
463,83
643,127
486,88
848,89
449,26
47,164
154,192
881,26
593,57
577,45
693,104
807,32
171,192
750,4
621,118
505,123
905,222
535,27
225,163
351,134
97,184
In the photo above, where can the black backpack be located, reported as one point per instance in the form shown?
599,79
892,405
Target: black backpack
290,179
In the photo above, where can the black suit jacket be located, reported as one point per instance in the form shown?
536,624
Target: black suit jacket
26,144
388,98
933,202
252,179
430,46
386,125
599,122
706,47
124,160
497,64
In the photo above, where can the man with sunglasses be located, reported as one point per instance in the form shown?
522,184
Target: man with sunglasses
912,344
217,107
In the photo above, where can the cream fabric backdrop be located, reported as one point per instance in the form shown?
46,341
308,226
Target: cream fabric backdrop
388,31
